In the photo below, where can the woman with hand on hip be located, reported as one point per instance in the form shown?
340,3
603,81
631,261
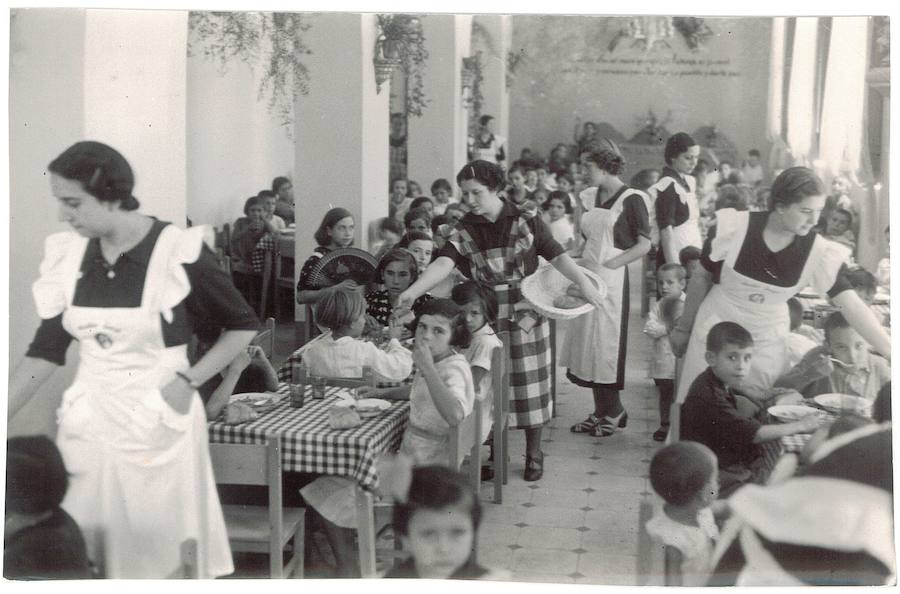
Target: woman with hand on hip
751,265
132,431
616,229
498,244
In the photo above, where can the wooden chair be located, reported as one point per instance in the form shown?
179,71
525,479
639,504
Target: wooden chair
268,275
675,409
500,430
283,270
266,339
465,441
259,529
654,561
553,349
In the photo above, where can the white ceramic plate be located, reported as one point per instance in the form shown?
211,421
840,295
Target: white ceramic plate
256,399
366,407
844,403
788,413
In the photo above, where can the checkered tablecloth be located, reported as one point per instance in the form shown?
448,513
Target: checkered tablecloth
309,444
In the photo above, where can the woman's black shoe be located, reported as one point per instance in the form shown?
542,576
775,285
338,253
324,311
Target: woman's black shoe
534,467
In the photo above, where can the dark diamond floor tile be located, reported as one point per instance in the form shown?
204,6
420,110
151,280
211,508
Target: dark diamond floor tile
582,529
520,525
579,551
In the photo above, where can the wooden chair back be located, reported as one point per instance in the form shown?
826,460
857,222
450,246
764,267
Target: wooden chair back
268,275
465,441
500,431
283,269
266,339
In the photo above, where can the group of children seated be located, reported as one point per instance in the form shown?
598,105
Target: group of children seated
723,423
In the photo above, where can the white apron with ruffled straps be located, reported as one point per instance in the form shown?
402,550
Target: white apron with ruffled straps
759,307
687,233
591,349
141,481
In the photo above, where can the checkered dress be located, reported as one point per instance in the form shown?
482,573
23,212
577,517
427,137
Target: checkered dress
503,268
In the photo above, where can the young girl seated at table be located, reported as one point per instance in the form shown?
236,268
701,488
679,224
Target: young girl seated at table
334,232
417,220
442,192
339,353
443,392
437,518
479,307
558,211
388,232
245,233
685,476
396,271
420,245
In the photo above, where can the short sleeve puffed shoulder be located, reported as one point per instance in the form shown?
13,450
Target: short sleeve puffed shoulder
58,270
731,228
826,260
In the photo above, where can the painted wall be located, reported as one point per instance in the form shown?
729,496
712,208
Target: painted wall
46,79
569,71
235,147
134,99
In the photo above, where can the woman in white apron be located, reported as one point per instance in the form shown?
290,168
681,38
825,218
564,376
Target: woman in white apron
617,231
132,430
752,265
675,199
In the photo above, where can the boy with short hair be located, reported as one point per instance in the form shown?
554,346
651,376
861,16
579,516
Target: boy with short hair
689,258
442,192
843,364
713,415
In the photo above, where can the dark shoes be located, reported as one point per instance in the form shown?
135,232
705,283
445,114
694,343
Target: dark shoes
661,434
534,467
487,473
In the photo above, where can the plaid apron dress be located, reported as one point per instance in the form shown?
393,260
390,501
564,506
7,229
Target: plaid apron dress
503,269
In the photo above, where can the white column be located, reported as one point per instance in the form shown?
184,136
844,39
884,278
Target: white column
341,129
135,64
46,48
437,140
496,95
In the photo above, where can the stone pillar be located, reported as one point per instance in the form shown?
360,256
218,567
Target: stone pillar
341,130
437,140
496,95
135,64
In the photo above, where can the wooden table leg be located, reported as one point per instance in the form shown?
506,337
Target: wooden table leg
365,525
553,366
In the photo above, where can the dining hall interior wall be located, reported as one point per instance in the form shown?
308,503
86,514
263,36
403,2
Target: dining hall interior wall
235,146
568,71
46,103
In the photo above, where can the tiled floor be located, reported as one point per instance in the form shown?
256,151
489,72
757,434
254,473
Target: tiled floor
579,524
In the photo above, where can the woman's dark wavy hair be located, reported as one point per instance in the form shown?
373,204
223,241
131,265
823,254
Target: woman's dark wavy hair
677,143
794,185
435,488
459,334
607,160
397,255
330,219
102,171
486,173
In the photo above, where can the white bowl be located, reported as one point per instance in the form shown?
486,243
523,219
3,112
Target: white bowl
547,283
840,403
788,413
